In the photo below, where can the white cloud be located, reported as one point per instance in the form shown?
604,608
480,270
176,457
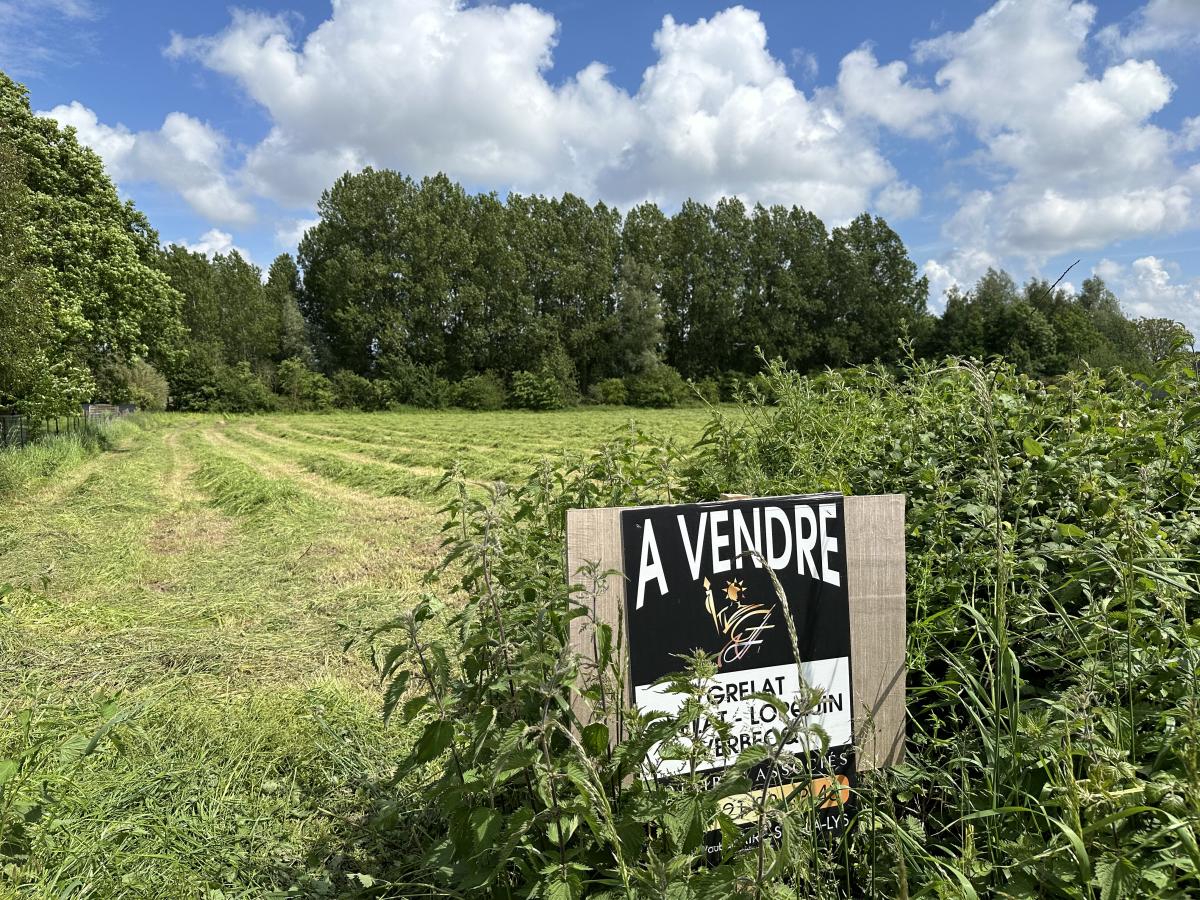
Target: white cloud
288,235
1159,25
1149,287
36,34
214,242
184,154
960,269
878,92
429,85
1074,160
1189,134
899,200
805,63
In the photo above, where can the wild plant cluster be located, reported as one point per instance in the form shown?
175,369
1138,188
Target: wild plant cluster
1053,646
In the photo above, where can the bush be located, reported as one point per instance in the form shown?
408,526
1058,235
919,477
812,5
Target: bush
406,383
537,390
483,392
658,386
732,384
610,391
351,391
302,387
133,381
240,390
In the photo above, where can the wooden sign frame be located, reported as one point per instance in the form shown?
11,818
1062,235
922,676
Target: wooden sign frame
875,565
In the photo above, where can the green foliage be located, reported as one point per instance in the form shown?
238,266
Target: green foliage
415,385
301,387
352,391
659,385
485,391
537,390
609,391
240,390
708,390
133,381
1054,694
87,250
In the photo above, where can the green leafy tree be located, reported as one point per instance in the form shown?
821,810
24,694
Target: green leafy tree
92,254
1161,338
282,294
875,294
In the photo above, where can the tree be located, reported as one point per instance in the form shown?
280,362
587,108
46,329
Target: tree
875,294
1161,338
34,378
93,254
282,293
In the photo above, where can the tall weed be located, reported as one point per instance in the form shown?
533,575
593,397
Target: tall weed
1053,650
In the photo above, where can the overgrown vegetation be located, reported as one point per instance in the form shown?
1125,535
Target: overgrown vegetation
1053,655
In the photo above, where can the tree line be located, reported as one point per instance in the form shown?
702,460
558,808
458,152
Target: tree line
420,292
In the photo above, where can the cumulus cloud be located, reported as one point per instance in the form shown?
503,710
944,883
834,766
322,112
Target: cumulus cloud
1075,160
899,200
1150,287
288,235
1159,25
184,154
214,242
879,92
428,85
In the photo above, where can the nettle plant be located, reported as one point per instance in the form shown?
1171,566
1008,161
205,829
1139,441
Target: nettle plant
1054,657
542,782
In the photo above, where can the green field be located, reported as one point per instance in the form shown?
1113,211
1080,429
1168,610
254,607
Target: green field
196,586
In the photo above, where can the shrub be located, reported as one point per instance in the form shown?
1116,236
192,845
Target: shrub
732,384
484,392
133,381
240,390
708,391
609,391
351,391
406,383
537,390
1052,671
302,387
660,385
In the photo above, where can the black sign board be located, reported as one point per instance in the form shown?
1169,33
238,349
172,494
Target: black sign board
697,579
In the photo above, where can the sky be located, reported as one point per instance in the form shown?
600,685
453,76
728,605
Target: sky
1022,134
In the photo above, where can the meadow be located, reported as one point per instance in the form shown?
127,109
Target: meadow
174,679
327,655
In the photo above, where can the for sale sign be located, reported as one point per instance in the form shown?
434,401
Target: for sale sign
699,577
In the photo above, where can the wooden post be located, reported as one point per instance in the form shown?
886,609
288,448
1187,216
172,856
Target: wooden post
875,564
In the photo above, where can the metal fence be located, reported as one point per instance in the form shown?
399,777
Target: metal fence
17,431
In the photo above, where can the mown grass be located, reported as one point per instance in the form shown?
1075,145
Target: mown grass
185,600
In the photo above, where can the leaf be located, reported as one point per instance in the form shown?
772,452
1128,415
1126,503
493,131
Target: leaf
1067,530
8,768
595,738
1118,877
433,741
1032,447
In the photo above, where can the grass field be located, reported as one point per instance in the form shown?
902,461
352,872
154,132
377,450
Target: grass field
194,588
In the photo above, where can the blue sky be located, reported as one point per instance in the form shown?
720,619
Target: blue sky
1019,133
